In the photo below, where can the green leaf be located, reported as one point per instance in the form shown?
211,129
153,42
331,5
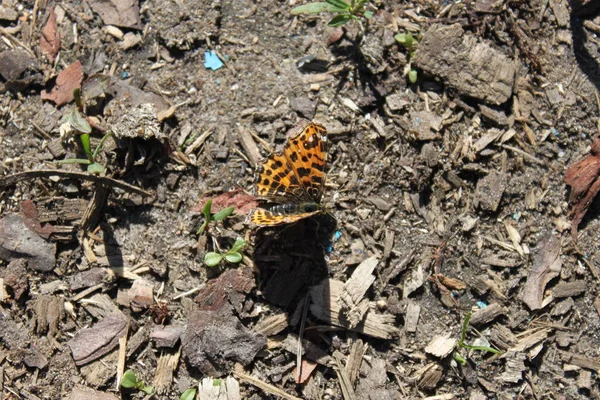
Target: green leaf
339,20
96,169
224,213
315,8
368,14
147,389
233,257
100,146
459,359
405,39
216,382
78,122
212,259
412,76
206,210
129,379
238,245
74,161
189,394
200,230
85,143
339,4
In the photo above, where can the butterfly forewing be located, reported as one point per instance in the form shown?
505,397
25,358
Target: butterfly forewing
307,154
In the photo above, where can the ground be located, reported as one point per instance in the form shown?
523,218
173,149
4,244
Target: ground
449,201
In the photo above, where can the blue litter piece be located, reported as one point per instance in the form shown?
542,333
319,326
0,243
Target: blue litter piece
481,304
212,61
337,235
124,75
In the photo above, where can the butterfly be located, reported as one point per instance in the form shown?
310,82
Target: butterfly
293,179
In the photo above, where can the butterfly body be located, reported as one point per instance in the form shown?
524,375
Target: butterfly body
293,179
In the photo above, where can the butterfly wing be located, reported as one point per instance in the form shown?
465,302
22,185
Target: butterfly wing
278,182
263,217
306,153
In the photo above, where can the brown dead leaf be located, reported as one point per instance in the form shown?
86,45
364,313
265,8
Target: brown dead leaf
67,80
50,39
307,368
123,13
585,185
240,201
546,266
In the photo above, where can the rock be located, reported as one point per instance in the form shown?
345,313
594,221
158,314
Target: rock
17,240
92,343
489,190
471,67
90,278
303,106
167,336
81,392
214,337
396,102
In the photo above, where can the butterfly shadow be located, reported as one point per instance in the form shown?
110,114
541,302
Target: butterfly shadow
292,258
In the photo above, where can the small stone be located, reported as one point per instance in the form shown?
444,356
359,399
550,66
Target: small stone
167,336
303,106
7,14
396,102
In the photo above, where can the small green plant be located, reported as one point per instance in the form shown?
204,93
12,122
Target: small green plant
344,11
408,41
130,381
189,394
233,255
75,121
208,217
461,343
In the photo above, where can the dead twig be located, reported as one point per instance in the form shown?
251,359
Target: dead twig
46,173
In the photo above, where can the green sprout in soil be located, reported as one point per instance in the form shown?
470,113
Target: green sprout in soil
130,381
408,41
75,121
344,11
189,394
233,255
208,217
461,343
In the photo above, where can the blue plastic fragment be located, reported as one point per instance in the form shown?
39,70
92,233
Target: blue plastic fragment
124,75
481,304
337,235
212,61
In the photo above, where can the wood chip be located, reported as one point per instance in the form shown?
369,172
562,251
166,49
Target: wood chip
249,146
272,325
266,387
441,346
355,358
165,368
219,389
487,314
581,361
343,377
568,289
325,307
411,320
352,301
546,266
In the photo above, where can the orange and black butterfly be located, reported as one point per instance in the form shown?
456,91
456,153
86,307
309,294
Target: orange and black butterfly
293,180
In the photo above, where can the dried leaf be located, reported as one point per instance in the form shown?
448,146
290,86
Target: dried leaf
585,185
546,265
50,39
67,80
